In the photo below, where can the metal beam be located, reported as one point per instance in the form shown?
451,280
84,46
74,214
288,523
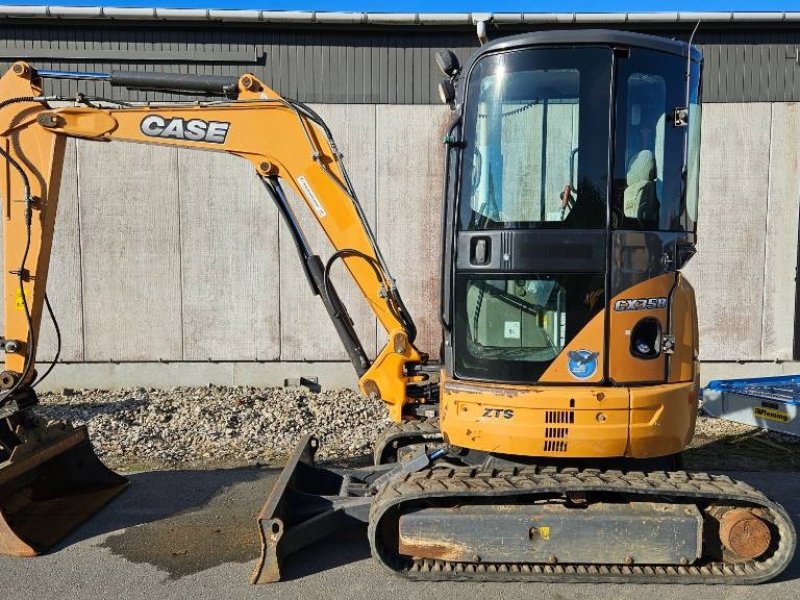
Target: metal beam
377,18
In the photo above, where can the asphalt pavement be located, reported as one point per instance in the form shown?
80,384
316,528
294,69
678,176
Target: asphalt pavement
191,534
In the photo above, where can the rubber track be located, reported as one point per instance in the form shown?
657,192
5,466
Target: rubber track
410,432
461,482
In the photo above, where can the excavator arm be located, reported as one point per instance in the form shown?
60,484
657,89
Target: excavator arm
283,139
50,478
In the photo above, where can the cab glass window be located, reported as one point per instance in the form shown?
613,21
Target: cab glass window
512,328
648,190
693,158
528,115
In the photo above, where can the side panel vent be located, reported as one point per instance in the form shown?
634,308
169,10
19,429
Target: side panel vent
555,446
556,432
555,438
559,416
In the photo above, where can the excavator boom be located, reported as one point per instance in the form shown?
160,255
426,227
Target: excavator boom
285,141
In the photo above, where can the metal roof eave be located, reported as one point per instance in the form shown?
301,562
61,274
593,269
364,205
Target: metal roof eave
375,18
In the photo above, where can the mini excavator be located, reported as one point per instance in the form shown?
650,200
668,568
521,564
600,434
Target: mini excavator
544,443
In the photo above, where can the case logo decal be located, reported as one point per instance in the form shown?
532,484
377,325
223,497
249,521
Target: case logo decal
640,304
582,363
194,130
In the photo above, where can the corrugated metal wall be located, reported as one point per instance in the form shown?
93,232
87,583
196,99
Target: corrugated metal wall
358,65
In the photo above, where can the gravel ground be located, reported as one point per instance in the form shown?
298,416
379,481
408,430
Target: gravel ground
196,427
217,426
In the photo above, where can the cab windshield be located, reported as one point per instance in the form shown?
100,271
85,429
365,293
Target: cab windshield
537,121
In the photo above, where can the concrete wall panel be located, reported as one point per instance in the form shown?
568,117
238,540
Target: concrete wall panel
306,330
783,208
130,247
728,271
410,163
64,278
229,260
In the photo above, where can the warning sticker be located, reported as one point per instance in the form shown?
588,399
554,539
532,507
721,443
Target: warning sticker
771,414
19,303
311,196
541,532
511,330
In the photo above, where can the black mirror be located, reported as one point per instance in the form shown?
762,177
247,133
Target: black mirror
447,62
447,91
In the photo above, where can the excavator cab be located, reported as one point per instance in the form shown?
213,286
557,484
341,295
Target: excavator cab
571,207
564,155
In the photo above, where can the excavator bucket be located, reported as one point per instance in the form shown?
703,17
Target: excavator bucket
50,484
306,504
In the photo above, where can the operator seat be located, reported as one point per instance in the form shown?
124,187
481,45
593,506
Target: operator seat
640,199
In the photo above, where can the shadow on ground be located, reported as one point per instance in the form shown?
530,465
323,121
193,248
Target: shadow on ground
75,409
344,548
184,522
754,451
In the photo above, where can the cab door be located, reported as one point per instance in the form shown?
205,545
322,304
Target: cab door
649,227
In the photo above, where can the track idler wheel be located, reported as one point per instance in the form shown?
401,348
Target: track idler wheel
743,533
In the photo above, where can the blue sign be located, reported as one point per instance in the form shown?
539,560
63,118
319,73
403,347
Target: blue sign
582,363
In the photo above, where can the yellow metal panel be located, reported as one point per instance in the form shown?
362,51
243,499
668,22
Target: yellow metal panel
556,421
570,421
684,326
41,160
623,367
662,418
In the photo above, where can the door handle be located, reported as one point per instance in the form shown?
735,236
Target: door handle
480,253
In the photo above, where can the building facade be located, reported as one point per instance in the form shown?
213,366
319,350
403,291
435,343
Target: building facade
170,267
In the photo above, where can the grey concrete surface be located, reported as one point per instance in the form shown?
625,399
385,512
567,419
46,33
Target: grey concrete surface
734,163
191,534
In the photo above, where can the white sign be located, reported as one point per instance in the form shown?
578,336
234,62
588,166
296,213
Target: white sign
311,197
511,330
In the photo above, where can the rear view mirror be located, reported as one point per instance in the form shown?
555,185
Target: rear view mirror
447,91
447,62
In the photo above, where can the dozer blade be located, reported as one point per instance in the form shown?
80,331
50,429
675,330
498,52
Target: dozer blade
306,504
51,484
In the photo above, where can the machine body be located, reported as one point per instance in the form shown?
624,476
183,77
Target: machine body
571,207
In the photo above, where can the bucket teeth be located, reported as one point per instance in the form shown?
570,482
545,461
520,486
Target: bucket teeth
52,482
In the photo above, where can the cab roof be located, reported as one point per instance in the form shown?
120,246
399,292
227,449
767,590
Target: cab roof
591,37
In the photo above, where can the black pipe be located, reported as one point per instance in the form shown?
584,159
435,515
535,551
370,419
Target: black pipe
221,85
315,273
339,316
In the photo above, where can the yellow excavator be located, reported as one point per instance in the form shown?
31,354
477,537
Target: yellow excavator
544,443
